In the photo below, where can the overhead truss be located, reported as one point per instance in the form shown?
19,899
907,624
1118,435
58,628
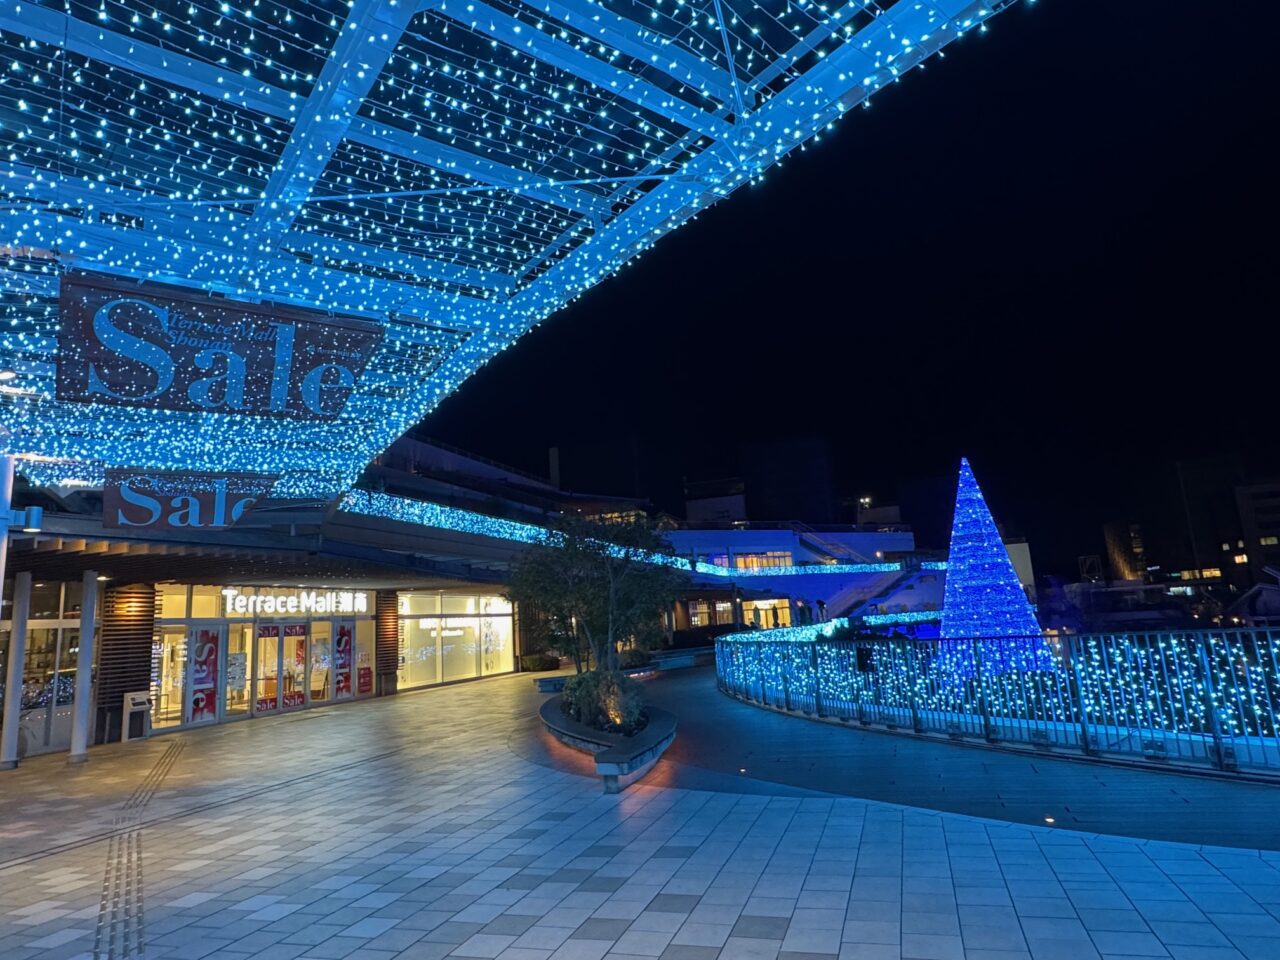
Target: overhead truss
454,170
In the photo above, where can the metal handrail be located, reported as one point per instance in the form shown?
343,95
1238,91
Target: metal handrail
1199,698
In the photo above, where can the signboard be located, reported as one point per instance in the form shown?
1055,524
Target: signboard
169,348
151,500
272,601
365,675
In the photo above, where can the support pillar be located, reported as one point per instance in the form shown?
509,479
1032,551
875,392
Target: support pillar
13,679
84,668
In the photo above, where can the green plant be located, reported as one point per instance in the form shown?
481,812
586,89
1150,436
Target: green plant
606,700
539,661
596,587
635,657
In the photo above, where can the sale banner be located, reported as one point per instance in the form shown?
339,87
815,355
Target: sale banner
204,674
343,638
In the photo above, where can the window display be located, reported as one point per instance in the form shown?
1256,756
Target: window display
446,637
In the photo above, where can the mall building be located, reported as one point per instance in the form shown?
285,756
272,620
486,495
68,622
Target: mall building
301,605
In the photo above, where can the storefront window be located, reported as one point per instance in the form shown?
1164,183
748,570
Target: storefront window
172,599
364,657
497,647
419,604
206,603
448,637
239,651
460,604
168,676
46,600
321,677
420,643
459,644
72,591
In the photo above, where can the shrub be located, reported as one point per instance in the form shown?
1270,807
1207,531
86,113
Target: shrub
606,701
635,657
539,661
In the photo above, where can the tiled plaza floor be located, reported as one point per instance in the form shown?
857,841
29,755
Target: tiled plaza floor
409,828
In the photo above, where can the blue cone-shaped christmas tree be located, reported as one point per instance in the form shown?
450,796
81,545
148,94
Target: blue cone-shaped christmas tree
983,597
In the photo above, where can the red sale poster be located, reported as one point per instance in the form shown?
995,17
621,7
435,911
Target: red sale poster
365,680
342,657
204,674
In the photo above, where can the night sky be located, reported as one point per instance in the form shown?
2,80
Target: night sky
1051,252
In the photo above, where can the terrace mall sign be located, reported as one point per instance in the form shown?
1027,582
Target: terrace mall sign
168,348
266,600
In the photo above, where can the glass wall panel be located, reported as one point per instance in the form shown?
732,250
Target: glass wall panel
365,635
46,601
460,647
206,654
267,670
419,604
293,677
321,677
172,599
460,605
168,673
239,652
343,652
71,594
497,649
206,602
495,605
421,651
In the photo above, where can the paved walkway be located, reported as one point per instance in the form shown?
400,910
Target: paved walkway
719,735
409,829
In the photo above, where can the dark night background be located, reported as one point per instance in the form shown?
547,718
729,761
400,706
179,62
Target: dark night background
1051,252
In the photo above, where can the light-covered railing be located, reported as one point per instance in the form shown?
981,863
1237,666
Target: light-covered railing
1207,698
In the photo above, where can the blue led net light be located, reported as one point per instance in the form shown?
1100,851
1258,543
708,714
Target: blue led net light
983,596
437,516
1159,695
453,170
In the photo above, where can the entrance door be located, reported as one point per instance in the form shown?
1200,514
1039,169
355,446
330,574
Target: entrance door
321,678
293,666
266,676
169,677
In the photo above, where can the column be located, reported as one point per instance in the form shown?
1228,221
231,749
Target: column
84,668
13,681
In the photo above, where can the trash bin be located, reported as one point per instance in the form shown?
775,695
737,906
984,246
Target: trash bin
136,723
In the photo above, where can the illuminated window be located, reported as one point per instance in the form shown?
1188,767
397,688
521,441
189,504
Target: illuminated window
1269,541
1241,558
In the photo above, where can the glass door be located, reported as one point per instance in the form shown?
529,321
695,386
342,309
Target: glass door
205,657
266,694
239,650
343,650
168,677
293,666
321,678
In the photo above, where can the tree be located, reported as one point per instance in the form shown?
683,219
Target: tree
599,585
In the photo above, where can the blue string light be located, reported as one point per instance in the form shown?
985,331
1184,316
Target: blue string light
983,596
450,170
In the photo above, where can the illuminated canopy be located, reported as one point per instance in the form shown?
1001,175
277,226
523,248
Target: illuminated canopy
452,171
